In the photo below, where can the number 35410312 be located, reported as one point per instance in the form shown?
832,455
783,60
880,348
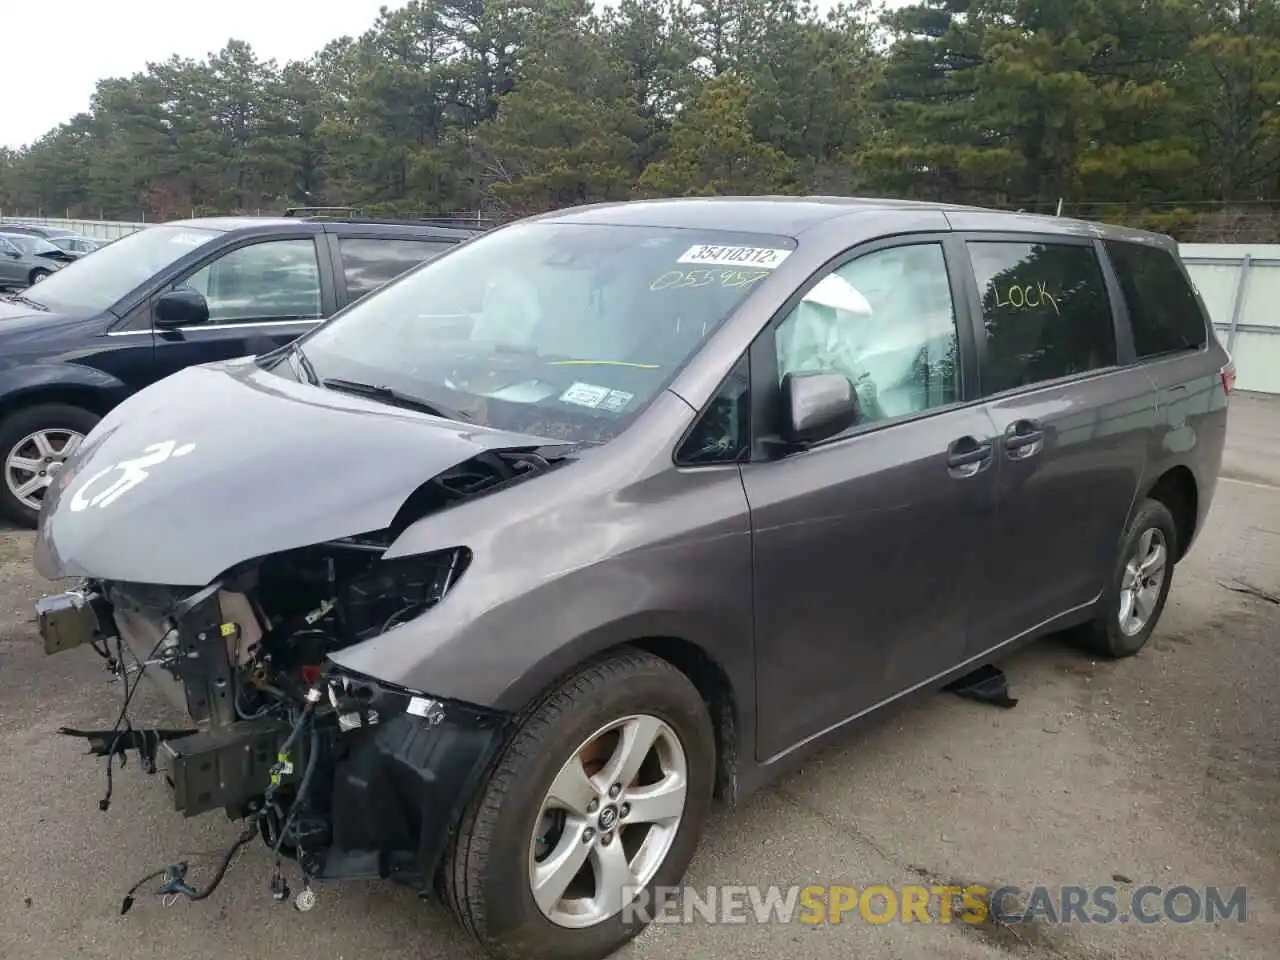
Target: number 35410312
684,279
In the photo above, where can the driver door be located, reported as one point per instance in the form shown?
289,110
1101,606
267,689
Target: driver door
261,295
868,545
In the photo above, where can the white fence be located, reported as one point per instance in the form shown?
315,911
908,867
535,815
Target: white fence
98,229
1240,284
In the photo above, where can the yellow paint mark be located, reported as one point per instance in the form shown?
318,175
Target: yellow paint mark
604,363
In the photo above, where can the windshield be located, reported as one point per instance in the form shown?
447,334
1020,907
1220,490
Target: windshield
95,283
29,244
563,330
71,243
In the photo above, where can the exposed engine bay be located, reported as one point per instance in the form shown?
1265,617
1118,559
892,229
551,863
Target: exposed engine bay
348,776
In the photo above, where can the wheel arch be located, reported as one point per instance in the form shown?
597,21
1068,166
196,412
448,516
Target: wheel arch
709,677
713,683
1178,490
91,397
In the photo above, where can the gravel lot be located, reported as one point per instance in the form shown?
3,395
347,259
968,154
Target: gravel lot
1163,769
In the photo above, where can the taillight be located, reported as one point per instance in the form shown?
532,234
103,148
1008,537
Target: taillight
1229,377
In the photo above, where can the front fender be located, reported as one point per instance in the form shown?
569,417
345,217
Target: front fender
616,547
513,623
22,381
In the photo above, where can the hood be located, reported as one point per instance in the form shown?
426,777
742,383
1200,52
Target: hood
11,310
227,462
24,328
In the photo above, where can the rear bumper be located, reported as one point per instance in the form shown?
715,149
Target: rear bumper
392,777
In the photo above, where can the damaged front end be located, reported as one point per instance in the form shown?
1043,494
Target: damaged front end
351,777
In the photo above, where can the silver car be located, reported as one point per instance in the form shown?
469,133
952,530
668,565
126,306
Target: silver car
77,245
26,260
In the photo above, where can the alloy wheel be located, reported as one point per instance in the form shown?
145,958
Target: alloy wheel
1142,581
33,461
608,821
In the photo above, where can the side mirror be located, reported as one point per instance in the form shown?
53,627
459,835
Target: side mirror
817,406
181,308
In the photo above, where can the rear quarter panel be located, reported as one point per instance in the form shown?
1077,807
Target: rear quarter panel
1191,421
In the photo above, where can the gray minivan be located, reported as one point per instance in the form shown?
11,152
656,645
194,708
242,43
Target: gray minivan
490,582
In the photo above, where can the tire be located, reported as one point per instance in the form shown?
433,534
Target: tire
487,879
1105,636
37,275
15,429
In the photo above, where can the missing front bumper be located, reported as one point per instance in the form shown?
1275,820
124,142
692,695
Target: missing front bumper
394,770
205,770
225,768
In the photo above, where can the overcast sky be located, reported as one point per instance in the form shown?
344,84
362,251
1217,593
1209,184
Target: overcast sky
48,73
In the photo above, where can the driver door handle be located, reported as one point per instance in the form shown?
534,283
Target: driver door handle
1023,438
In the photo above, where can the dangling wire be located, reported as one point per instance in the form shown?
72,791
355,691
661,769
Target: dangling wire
123,716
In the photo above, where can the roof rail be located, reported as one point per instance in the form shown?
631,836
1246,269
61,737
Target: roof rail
312,211
474,223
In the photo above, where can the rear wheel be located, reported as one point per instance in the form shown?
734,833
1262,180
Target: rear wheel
34,443
601,794
37,275
1139,587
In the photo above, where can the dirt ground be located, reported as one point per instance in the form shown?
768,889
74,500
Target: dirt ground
1164,769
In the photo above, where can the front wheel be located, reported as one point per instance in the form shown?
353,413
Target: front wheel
596,803
37,275
34,443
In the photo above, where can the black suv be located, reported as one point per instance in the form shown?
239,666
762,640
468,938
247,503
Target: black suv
172,296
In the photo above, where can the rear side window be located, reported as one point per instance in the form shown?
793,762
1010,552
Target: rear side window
1163,310
1045,310
368,264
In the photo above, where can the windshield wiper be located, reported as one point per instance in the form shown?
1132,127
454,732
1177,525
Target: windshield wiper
392,396
19,298
308,370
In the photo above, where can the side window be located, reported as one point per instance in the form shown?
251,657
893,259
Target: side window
722,434
7,247
368,264
1163,311
887,322
1045,309
273,280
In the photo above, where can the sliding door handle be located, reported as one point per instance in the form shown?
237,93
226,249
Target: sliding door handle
967,456
1024,438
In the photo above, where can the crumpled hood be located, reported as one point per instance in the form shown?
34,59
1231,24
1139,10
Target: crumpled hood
226,462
